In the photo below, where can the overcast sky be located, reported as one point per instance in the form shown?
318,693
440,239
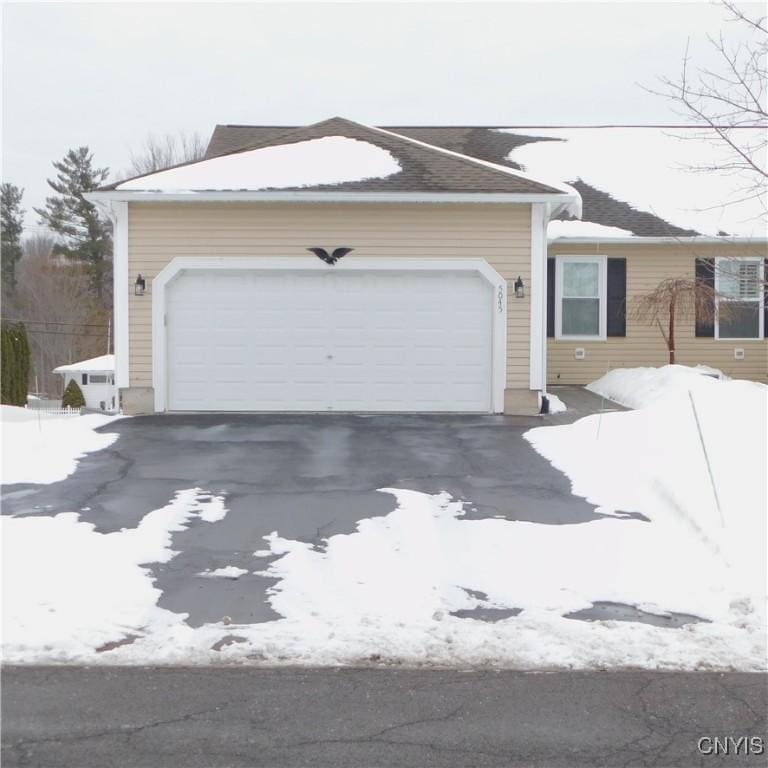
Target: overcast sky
108,74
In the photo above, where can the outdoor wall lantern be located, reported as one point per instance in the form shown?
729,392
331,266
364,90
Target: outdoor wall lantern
140,286
519,288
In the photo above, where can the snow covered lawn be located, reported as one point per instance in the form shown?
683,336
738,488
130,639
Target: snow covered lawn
652,461
388,592
44,448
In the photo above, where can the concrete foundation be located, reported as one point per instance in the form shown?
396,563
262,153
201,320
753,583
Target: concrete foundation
521,402
137,400
517,402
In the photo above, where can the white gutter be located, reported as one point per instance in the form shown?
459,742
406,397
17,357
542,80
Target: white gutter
640,240
104,196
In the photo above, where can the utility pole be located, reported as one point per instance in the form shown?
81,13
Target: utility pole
109,332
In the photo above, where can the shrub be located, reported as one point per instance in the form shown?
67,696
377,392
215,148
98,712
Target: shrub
15,364
73,396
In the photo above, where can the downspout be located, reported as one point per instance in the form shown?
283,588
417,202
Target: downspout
547,213
540,213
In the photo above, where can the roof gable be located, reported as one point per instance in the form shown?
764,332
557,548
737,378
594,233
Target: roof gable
421,167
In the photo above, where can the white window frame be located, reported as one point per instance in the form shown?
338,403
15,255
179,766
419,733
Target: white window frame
602,262
759,300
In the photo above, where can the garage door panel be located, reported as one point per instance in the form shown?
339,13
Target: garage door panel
362,341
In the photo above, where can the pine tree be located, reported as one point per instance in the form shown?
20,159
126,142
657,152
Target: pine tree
84,236
73,396
15,362
12,223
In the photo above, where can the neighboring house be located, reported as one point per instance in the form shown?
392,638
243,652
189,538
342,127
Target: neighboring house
446,295
96,379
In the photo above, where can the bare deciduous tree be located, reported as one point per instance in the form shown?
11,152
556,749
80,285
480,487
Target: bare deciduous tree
728,99
64,321
674,299
162,152
39,245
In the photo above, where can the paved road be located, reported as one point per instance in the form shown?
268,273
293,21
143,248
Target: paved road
206,718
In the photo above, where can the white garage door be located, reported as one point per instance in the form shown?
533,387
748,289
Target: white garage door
331,341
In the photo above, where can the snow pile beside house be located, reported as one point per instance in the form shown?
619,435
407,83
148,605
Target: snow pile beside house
651,461
638,387
329,160
651,169
45,448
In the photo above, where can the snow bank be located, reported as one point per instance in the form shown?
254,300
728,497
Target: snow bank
649,168
45,448
67,590
330,160
638,387
651,461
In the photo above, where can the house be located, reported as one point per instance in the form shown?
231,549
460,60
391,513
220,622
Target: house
341,267
96,379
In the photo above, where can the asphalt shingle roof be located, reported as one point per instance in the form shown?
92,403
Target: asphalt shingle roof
423,168
484,143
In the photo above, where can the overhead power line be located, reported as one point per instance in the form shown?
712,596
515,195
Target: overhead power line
56,322
69,333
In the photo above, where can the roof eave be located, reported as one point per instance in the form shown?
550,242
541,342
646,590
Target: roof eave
641,240
568,201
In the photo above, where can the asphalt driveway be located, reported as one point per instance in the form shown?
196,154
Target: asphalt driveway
306,476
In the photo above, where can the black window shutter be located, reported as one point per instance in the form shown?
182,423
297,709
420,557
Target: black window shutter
85,378
705,275
550,297
617,297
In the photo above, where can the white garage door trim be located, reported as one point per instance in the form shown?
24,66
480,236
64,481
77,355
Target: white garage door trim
185,263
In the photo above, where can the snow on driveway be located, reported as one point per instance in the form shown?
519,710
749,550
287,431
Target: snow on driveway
68,590
44,448
387,592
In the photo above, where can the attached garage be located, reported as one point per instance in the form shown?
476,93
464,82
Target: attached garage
408,337
425,291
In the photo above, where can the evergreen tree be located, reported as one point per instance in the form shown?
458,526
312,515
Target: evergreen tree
73,396
12,223
15,362
84,237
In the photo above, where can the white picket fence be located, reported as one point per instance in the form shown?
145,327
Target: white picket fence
55,411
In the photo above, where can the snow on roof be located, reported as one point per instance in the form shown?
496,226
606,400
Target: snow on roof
327,160
105,363
558,228
651,169
574,208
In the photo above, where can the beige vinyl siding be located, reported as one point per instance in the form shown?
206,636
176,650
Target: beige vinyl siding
159,232
644,345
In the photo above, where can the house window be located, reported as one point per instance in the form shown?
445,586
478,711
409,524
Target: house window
738,283
580,290
99,378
